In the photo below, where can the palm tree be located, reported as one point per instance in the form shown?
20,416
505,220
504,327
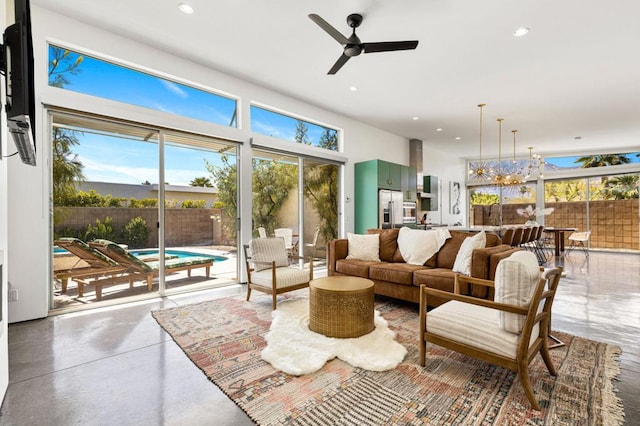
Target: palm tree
602,160
622,187
202,181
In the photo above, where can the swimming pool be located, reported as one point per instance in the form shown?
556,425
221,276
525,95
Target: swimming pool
152,254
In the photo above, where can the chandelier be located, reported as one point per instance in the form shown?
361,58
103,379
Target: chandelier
536,165
480,172
500,176
517,175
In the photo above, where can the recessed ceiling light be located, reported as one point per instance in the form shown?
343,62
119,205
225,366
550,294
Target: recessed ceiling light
416,118
522,31
185,8
458,138
438,129
353,88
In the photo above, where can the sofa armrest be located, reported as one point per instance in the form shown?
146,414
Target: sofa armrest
336,250
483,266
481,260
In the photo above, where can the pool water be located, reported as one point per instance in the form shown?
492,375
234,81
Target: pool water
152,254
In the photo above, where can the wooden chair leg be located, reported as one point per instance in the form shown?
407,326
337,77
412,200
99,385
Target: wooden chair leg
423,343
546,357
248,291
523,372
65,282
275,297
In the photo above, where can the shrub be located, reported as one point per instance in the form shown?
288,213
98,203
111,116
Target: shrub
143,203
100,230
193,204
136,233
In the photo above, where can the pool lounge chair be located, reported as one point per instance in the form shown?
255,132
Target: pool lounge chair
137,270
89,263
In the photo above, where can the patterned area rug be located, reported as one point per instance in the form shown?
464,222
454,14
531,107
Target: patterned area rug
224,339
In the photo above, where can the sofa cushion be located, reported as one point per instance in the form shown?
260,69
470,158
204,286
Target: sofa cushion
418,246
447,255
364,247
357,268
516,278
437,278
388,242
397,273
463,258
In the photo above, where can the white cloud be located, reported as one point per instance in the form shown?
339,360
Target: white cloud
174,88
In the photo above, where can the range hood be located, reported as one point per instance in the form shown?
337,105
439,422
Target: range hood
415,161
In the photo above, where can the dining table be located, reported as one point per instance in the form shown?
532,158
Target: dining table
558,237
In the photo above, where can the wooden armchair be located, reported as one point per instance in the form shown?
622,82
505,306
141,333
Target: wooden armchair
270,269
508,332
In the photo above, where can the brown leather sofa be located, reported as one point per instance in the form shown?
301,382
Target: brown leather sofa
394,278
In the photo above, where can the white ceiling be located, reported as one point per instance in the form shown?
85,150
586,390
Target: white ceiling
576,74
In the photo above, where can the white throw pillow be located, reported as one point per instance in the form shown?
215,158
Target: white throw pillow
417,246
463,258
516,278
268,249
364,247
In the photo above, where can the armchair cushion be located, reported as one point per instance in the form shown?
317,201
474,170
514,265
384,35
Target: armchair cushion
268,249
364,247
516,278
475,326
285,277
462,263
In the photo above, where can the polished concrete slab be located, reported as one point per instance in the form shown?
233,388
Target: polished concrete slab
116,366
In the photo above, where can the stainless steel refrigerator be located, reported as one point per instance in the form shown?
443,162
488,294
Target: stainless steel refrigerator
390,208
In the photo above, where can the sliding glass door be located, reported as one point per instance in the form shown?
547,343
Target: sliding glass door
139,211
296,193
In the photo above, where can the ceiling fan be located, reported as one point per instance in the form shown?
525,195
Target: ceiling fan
353,46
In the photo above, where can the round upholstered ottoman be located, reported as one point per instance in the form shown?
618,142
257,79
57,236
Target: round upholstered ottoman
341,306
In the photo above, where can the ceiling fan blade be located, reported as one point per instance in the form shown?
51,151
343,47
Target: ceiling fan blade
329,29
389,46
339,63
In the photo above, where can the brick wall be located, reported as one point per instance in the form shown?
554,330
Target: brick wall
183,227
614,223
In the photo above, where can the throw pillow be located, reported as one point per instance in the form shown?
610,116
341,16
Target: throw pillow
516,279
268,249
364,247
417,246
462,263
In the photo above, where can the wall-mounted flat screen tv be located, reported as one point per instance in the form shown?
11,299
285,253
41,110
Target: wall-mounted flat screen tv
18,70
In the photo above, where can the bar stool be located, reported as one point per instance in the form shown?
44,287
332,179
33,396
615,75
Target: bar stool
508,236
517,237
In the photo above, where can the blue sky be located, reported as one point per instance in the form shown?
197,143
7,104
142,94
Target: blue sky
114,159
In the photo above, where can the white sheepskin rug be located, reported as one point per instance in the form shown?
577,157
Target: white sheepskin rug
294,349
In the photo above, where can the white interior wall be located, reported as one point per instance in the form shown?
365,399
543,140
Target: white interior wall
29,187
4,142
447,169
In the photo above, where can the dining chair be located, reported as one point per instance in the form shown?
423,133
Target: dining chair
287,235
262,232
579,239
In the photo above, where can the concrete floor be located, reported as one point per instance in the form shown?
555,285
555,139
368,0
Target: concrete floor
116,366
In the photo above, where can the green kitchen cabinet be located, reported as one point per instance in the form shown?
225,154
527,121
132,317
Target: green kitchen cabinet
409,183
429,196
389,175
372,176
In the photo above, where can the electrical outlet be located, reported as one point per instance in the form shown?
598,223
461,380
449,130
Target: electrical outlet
13,295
